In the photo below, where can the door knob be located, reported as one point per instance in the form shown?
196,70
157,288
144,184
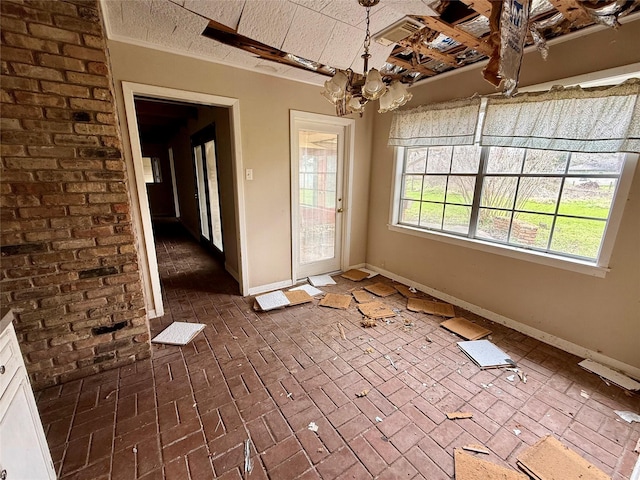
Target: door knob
340,210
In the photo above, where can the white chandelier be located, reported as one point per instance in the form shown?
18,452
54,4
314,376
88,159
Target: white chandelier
350,91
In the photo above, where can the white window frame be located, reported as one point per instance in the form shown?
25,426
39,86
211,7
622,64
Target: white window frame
597,268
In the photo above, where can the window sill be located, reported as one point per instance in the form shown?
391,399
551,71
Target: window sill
550,260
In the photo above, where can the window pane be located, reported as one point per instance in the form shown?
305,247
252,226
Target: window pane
577,236
434,188
460,189
493,224
587,197
439,159
499,192
416,160
457,218
545,161
505,160
530,229
592,163
538,194
431,215
466,159
410,212
412,186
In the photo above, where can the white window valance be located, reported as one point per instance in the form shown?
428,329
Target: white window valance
598,120
450,123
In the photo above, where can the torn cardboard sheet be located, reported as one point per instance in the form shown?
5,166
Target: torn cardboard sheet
321,280
469,467
310,289
272,300
459,415
433,308
549,459
485,354
298,297
614,377
381,289
362,297
376,310
178,333
336,300
465,328
370,272
406,291
355,275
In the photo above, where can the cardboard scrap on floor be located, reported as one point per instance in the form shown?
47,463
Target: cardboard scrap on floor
459,415
465,328
336,300
272,300
321,280
427,306
469,467
355,275
371,273
362,297
614,377
376,310
178,333
381,289
549,459
310,289
474,447
485,354
406,291
298,297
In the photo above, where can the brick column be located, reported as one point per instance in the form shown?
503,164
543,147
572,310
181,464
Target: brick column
68,258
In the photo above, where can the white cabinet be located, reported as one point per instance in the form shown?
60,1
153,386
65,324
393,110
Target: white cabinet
24,453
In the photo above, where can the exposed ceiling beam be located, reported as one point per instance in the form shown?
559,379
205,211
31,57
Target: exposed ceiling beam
461,36
572,11
411,67
430,52
483,7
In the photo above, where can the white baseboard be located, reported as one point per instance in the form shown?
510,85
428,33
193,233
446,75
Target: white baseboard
547,338
270,287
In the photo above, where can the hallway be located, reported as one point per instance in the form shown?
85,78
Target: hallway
187,412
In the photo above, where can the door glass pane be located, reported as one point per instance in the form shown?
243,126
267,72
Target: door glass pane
214,195
318,167
202,195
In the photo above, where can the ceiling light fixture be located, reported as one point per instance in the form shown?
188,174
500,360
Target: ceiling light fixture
350,91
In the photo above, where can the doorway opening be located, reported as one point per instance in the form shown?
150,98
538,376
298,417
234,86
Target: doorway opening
185,159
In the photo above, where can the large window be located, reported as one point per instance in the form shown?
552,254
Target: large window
549,202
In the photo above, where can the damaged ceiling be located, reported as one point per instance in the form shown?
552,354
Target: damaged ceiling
307,40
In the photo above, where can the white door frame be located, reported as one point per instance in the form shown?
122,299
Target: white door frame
349,144
140,212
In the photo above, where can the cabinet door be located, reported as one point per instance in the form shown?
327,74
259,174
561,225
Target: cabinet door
24,453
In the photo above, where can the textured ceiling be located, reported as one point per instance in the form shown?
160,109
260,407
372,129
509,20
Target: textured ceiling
330,32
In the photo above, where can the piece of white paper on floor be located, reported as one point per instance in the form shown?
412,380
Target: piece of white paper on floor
484,353
313,291
178,333
272,300
321,280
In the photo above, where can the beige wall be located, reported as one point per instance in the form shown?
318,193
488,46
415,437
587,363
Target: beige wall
600,314
265,102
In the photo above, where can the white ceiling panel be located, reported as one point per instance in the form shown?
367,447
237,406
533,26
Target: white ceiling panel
267,21
350,12
410,7
379,54
135,21
309,34
343,45
316,5
226,12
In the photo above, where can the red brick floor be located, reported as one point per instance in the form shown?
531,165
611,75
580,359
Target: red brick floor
187,413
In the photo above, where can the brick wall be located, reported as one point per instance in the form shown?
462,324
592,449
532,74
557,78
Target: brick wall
68,259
